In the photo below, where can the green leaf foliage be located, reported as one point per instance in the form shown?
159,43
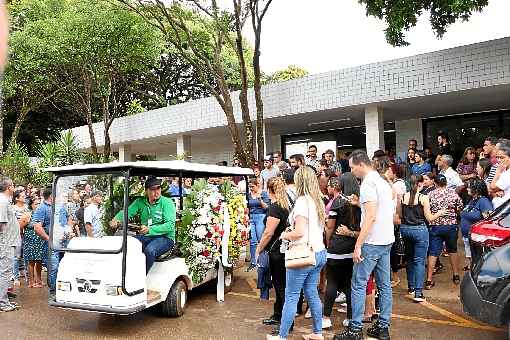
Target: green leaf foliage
15,164
401,15
291,72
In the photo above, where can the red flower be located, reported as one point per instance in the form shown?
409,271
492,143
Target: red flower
209,235
206,253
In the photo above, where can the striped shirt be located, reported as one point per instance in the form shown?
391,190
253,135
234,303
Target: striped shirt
492,173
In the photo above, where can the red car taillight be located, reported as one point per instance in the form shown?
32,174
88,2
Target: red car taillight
490,234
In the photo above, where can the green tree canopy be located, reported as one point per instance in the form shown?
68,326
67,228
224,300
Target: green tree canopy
289,73
401,15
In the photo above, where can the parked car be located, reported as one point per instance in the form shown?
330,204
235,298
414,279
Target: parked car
485,289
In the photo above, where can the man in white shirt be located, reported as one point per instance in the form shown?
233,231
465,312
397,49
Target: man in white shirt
268,172
311,158
9,240
500,186
93,216
453,179
372,250
278,163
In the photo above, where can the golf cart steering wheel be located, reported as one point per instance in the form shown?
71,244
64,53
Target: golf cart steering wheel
134,227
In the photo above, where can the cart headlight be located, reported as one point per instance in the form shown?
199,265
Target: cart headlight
113,290
64,286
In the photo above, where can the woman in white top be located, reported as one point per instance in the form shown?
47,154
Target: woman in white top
307,221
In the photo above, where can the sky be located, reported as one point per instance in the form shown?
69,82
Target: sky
325,35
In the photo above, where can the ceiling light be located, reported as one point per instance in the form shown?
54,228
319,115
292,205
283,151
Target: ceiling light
330,121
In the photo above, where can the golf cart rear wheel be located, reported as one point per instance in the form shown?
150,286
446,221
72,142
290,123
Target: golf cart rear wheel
176,300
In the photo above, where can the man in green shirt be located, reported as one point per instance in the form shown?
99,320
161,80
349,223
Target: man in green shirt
157,215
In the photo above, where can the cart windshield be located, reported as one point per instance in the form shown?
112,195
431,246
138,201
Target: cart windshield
83,207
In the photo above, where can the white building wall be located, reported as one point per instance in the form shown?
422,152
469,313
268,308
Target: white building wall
473,66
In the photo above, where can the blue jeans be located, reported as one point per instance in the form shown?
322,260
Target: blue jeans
256,230
416,240
15,267
154,246
53,262
375,259
307,279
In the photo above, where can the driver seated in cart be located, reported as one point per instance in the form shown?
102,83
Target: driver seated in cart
157,216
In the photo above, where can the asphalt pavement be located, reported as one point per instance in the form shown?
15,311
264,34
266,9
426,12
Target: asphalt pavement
239,317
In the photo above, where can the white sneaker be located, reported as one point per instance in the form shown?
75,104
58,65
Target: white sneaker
342,310
273,337
340,298
326,323
308,314
345,323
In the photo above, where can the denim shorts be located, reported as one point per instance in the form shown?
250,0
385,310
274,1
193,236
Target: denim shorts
440,234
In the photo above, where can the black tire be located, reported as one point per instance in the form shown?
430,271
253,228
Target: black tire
174,305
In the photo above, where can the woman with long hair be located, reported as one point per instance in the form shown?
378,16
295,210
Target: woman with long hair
33,249
342,229
467,170
276,223
429,183
443,230
478,206
483,168
467,165
257,203
307,221
414,211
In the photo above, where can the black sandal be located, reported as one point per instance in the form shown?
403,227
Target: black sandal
429,285
456,279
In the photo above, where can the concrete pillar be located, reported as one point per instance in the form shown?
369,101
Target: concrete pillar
406,130
374,125
276,142
184,147
125,154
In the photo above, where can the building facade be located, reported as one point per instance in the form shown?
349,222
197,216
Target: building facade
463,90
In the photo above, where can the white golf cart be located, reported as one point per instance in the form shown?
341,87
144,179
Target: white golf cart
107,274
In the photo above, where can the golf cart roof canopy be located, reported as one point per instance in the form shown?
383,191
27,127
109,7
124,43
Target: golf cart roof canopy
164,168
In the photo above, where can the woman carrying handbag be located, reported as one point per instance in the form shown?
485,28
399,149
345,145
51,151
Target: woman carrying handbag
306,254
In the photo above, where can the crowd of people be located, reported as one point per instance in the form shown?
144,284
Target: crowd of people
25,213
362,218
367,220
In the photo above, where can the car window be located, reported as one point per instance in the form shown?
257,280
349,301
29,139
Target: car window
505,222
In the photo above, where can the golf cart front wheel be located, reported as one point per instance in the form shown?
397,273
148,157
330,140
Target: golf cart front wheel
176,300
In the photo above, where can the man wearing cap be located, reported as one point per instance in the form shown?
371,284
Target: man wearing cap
157,215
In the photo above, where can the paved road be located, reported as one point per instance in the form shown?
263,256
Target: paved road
237,318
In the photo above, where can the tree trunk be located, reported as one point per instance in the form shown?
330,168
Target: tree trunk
243,94
107,145
92,136
234,132
19,121
257,88
87,110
